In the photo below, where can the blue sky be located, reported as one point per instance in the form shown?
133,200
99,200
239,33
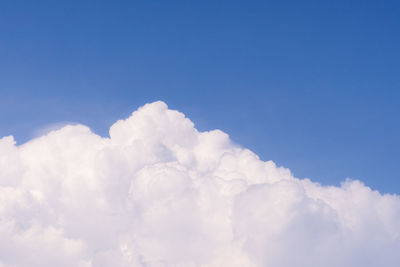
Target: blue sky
312,85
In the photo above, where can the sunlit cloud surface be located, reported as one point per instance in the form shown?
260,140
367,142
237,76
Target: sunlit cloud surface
160,193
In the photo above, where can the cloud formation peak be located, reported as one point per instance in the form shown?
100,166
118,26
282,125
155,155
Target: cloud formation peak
160,193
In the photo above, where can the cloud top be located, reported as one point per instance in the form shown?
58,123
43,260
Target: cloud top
160,193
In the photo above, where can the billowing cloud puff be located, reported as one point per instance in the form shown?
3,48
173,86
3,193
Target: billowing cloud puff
160,193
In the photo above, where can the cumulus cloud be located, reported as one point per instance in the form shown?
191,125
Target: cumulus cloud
160,193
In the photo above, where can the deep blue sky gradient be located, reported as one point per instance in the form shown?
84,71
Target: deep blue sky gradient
312,85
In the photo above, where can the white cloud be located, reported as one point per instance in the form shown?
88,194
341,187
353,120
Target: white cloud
160,193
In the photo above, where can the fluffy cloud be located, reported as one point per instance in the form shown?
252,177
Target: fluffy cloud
160,193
